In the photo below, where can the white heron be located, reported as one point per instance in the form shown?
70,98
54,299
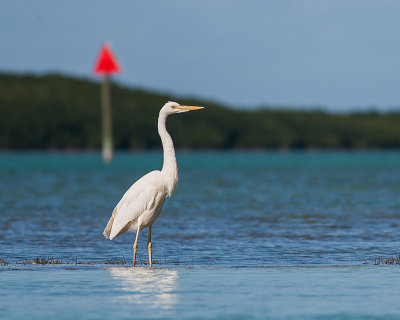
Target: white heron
141,204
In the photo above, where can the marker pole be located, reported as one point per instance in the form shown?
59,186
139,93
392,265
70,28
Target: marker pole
107,150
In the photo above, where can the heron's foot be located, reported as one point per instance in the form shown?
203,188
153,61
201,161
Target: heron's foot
134,254
150,259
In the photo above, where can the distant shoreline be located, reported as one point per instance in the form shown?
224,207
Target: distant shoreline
57,112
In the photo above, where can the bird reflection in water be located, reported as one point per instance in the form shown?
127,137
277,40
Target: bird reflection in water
150,288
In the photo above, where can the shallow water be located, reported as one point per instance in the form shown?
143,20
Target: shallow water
245,235
201,293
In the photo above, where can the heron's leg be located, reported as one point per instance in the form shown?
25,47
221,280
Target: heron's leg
135,246
149,247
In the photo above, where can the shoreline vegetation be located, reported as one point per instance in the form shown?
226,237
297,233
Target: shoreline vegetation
378,261
74,261
57,112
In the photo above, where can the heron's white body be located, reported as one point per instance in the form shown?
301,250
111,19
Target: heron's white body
139,207
142,203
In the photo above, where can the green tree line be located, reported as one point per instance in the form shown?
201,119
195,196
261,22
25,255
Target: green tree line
59,112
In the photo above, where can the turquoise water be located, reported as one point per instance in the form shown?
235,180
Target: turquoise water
245,235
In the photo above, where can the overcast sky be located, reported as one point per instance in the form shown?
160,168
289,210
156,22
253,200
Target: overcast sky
336,54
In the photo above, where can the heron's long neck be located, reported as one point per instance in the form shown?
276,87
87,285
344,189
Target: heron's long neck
170,168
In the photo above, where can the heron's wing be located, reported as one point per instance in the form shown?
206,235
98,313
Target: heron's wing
141,196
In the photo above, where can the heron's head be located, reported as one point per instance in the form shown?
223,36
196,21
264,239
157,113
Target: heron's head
172,107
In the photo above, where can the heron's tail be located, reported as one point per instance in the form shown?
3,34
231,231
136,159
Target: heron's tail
107,230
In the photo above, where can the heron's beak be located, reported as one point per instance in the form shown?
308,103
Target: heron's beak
188,108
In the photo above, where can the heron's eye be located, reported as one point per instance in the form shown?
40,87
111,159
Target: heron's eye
174,107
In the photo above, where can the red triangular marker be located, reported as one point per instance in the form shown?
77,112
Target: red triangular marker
106,62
